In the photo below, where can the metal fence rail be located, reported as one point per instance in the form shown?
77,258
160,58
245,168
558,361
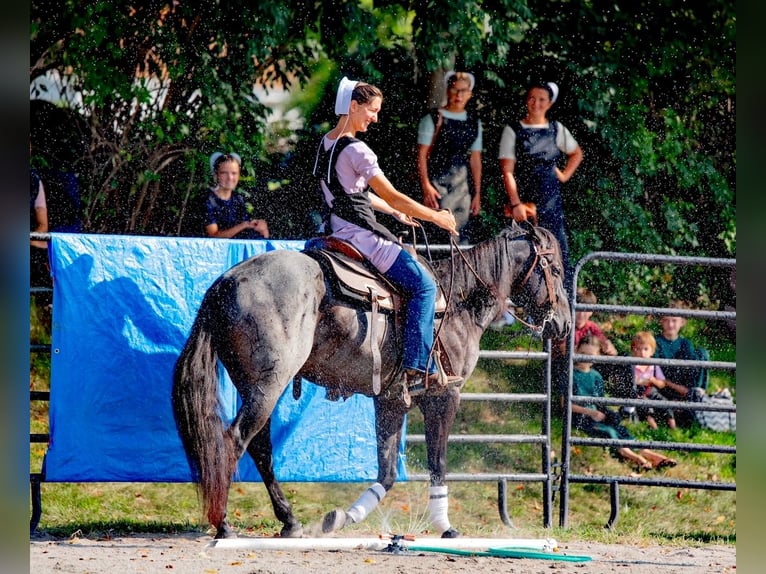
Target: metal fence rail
568,441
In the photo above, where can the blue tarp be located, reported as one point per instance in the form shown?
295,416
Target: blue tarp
123,307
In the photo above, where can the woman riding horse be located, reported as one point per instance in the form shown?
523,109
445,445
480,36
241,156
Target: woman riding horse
275,318
347,168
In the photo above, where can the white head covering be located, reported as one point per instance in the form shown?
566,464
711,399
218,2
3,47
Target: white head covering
218,154
471,79
343,98
555,89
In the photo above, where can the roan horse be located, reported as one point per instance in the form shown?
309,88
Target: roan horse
272,318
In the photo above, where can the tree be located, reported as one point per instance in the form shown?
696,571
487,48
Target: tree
647,87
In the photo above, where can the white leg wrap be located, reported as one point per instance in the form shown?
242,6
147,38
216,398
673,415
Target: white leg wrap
367,502
438,505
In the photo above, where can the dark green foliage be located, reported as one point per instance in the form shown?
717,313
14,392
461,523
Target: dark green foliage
648,89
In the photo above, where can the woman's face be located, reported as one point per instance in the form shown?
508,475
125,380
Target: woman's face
365,114
538,102
458,95
228,175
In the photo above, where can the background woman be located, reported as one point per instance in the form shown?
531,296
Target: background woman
449,154
530,150
225,213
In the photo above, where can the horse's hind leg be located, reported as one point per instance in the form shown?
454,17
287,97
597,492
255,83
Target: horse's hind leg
260,449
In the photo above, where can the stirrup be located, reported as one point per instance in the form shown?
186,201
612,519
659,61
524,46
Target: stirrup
418,383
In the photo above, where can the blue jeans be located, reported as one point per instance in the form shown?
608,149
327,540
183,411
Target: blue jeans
419,297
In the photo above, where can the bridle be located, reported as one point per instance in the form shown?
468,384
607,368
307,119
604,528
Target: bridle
542,261
538,259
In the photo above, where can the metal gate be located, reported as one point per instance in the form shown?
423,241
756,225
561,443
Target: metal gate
568,441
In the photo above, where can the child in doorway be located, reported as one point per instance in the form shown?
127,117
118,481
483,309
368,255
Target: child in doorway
648,380
598,421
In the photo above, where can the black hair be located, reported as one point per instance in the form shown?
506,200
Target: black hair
223,158
539,84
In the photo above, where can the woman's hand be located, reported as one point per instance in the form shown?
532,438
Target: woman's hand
521,212
475,205
431,196
403,218
444,219
260,226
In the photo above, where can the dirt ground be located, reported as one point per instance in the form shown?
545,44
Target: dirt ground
193,554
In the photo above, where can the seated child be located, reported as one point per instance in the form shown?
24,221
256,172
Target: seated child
584,327
648,379
681,380
599,422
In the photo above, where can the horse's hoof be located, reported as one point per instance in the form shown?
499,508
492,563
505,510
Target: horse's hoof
450,533
334,520
292,531
225,531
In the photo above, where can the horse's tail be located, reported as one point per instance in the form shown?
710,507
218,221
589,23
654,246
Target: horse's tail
197,413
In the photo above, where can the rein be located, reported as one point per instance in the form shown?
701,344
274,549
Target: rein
538,259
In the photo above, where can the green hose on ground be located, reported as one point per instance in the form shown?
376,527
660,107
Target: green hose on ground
503,553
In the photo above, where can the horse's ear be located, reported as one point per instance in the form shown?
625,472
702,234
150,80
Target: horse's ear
530,229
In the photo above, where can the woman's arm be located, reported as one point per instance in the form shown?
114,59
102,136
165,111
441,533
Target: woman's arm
381,205
509,181
573,162
400,202
519,211
431,195
258,225
475,163
41,215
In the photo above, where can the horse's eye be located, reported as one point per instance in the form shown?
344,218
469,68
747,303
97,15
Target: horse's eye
556,270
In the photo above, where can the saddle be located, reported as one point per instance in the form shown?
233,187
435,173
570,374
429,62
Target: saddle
353,278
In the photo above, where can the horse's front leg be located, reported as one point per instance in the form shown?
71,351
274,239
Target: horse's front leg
438,415
389,421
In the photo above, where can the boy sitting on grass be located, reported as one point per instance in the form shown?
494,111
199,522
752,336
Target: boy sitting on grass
597,421
681,381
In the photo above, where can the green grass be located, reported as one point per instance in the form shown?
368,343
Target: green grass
646,514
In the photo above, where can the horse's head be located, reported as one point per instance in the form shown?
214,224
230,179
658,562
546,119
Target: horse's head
539,287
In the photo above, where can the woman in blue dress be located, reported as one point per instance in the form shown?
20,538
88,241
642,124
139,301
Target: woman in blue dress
530,151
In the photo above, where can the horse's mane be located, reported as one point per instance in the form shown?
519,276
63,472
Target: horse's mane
489,260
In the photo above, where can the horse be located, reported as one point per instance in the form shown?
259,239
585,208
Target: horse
273,318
